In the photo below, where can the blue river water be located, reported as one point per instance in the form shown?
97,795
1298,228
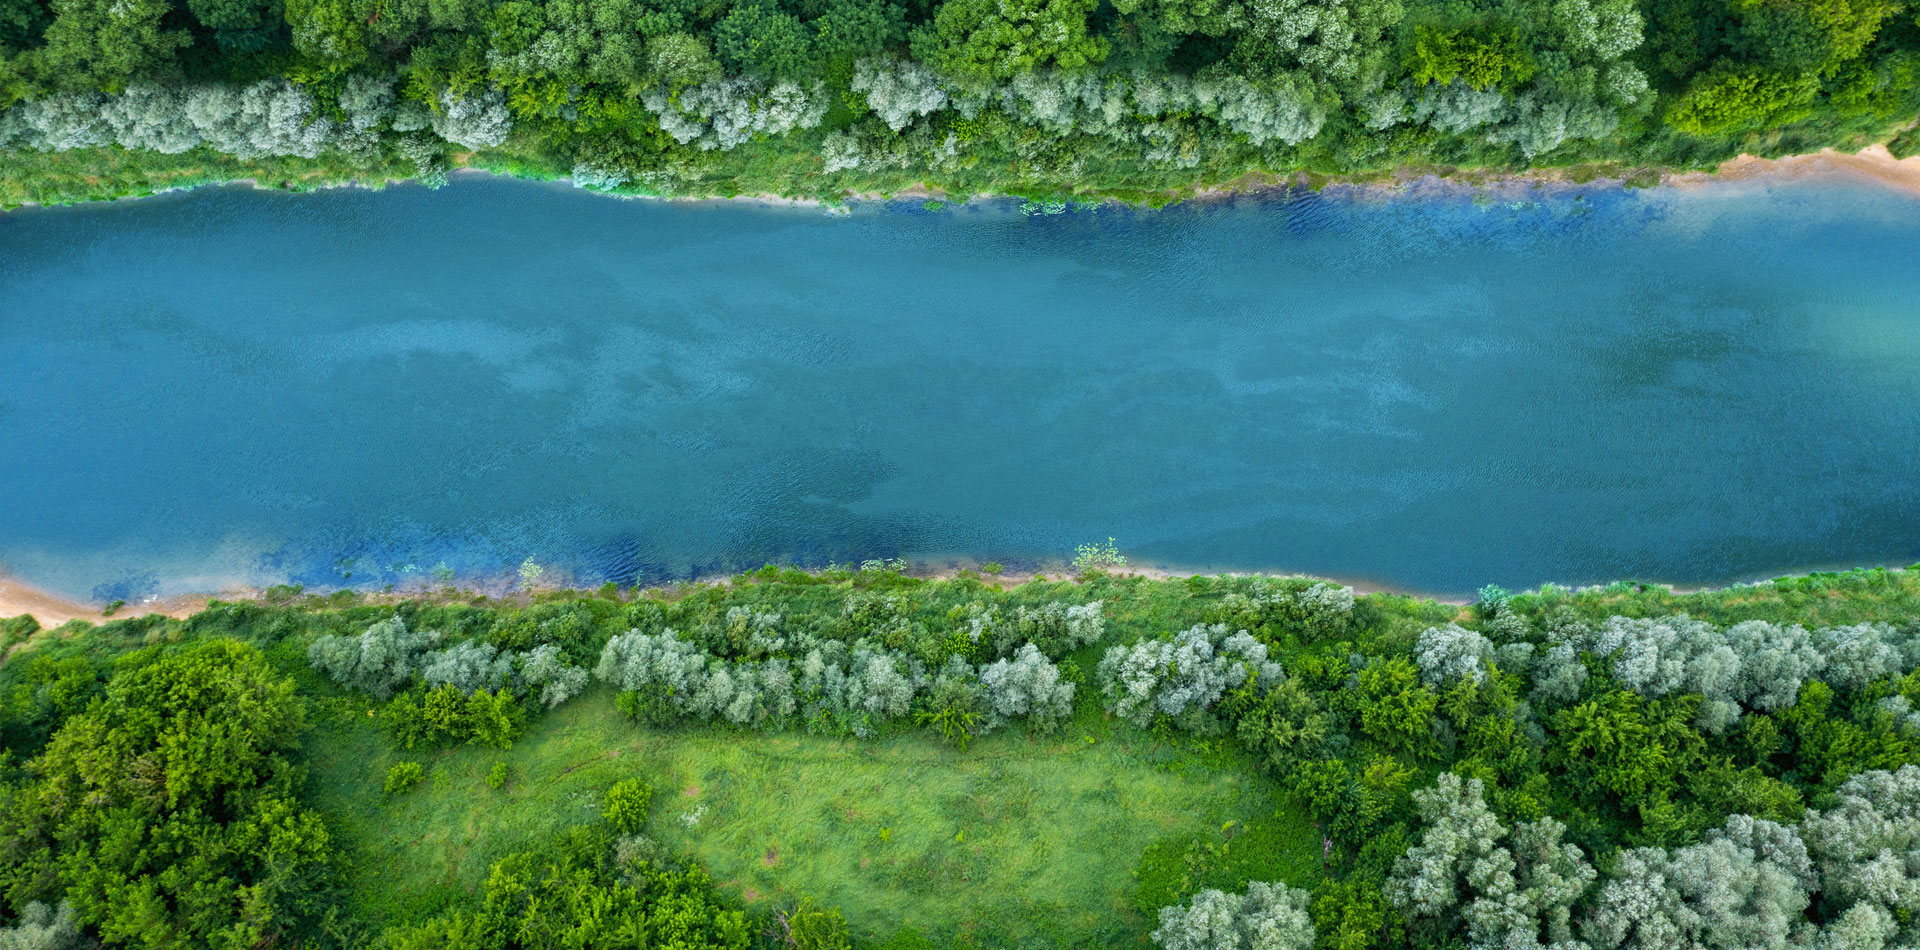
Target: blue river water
1428,393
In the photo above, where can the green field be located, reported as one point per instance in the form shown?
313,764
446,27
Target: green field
1017,840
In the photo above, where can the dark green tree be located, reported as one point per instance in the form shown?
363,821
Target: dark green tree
758,38
990,40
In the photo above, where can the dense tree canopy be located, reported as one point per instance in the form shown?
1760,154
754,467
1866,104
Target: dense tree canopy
165,813
823,95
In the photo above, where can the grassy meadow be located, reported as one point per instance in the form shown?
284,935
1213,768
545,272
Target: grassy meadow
1017,840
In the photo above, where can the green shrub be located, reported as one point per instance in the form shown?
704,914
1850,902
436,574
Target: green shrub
403,776
446,716
1090,558
627,804
810,927
497,776
567,894
651,705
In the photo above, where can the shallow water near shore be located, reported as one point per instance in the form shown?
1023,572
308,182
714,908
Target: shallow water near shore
1429,393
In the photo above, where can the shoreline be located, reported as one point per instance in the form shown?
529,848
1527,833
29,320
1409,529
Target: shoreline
19,598
50,610
1873,165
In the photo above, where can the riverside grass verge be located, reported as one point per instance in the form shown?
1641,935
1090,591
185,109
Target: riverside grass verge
757,171
767,173
1071,838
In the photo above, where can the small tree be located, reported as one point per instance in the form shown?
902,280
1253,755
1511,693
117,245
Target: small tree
627,805
530,574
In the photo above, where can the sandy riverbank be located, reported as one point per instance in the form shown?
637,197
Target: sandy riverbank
1873,164
51,610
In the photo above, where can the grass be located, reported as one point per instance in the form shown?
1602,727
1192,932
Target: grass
1822,598
53,178
1017,841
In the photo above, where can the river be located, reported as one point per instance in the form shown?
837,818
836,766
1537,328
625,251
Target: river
1427,393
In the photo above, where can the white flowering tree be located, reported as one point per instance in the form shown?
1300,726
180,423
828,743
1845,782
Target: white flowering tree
1189,672
1266,917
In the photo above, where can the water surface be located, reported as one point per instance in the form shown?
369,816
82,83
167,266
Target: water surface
1432,393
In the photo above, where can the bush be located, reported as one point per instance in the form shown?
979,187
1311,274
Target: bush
626,806
811,927
577,892
446,716
402,776
1097,557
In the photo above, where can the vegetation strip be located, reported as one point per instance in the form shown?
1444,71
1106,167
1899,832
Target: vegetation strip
1138,100
866,758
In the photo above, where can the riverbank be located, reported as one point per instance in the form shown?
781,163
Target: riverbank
67,178
48,609
18,599
1874,164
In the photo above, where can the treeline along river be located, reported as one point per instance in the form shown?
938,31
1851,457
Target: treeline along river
1428,392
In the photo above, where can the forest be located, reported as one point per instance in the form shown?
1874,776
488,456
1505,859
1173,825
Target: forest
862,758
1139,100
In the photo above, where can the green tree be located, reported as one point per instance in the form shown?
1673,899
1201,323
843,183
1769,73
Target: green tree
1810,35
1350,914
1624,749
1485,58
165,813
679,60
330,31
756,37
850,29
1394,709
235,15
105,44
1739,100
21,23
1283,724
995,40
